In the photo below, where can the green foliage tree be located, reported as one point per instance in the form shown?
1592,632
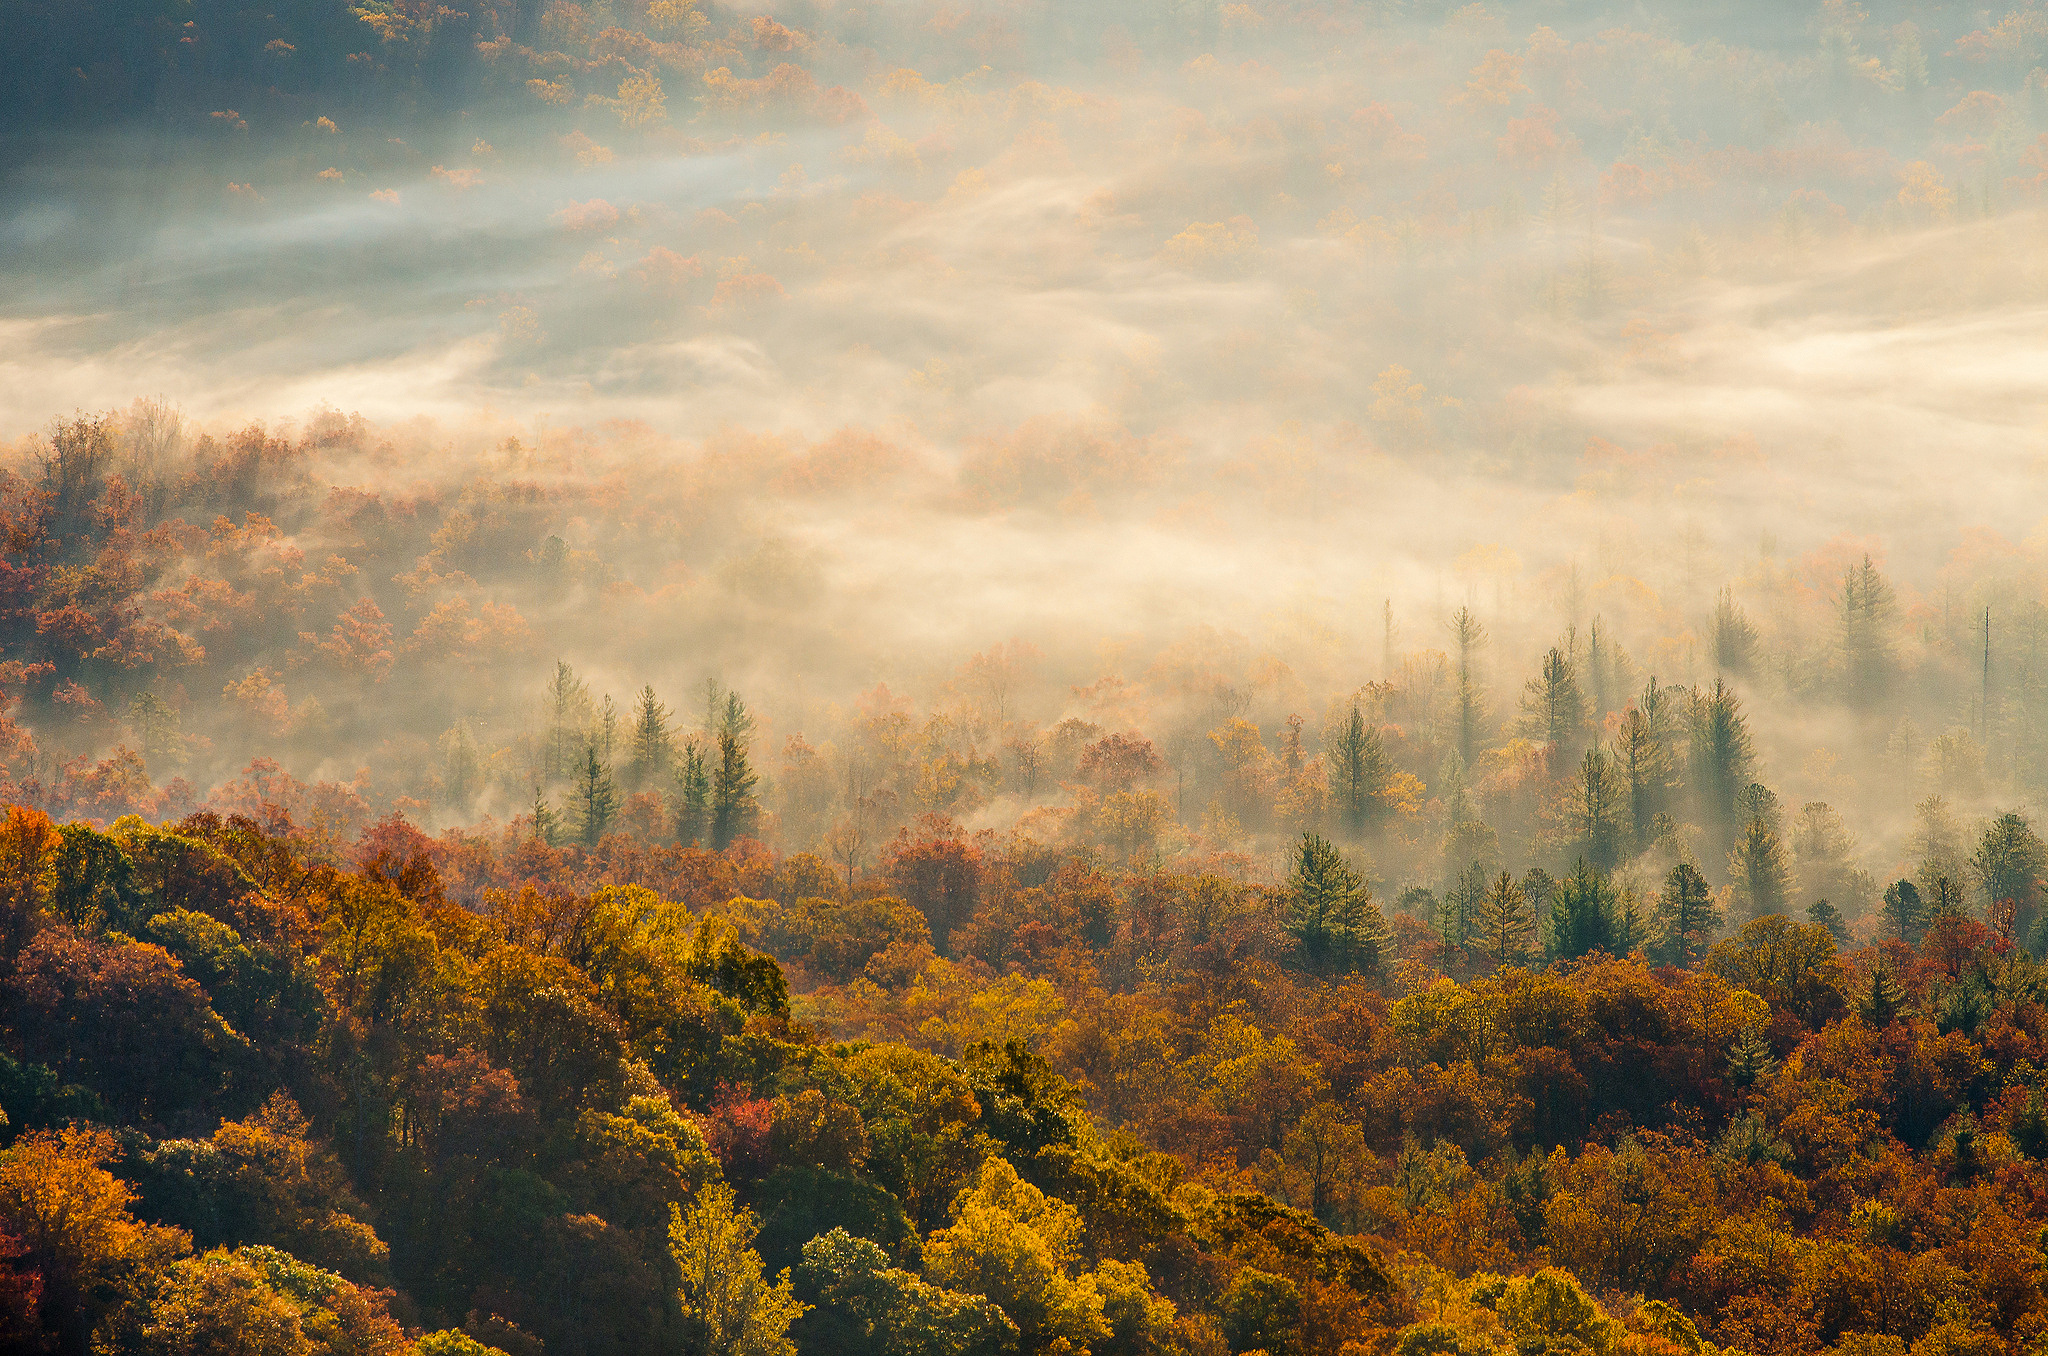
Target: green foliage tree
567,703
1791,966
1261,1312
1684,918
1826,915
597,801
1881,999
1758,870
653,745
1359,772
1330,910
1734,636
1468,636
1582,913
693,798
1599,807
2008,866
1905,917
1721,756
1505,922
1553,708
547,825
1640,760
732,782
862,1304
1866,606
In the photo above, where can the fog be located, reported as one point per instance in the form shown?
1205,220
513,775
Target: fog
1208,357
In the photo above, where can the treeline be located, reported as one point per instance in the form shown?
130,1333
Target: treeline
170,605
466,1093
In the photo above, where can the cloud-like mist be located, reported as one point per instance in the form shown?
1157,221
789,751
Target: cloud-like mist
1217,350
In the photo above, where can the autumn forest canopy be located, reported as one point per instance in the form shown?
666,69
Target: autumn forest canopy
1154,678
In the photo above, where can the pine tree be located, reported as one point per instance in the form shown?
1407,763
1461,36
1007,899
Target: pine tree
1582,914
1505,922
607,733
1684,918
1330,912
1358,774
568,711
546,826
653,746
1757,867
1735,639
1639,761
2030,1127
1468,635
1945,901
1539,887
1866,607
1458,913
1721,756
1904,915
1553,711
1882,1000
1826,915
693,797
1631,924
597,803
733,780
1750,1058
1597,810
1937,844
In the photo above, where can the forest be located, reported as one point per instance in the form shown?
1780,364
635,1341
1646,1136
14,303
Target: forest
952,678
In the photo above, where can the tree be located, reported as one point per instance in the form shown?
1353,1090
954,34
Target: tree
1881,1000
1721,756
1824,858
1684,918
1598,806
1505,922
1553,711
597,803
1359,773
1468,635
568,712
1261,1312
1017,1246
727,1302
1750,1057
1458,913
862,1305
58,1197
733,780
1582,913
1826,915
2008,865
1757,868
653,745
1792,967
1904,915
1735,639
1640,761
1330,911
693,797
1936,844
546,824
1866,607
